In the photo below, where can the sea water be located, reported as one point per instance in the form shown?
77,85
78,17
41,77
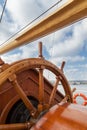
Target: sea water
80,88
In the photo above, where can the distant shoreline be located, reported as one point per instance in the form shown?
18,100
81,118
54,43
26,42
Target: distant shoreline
78,82
74,82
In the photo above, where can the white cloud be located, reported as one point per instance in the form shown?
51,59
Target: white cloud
72,44
6,30
76,74
29,51
11,58
23,11
70,59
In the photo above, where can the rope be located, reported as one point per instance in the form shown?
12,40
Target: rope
3,10
31,22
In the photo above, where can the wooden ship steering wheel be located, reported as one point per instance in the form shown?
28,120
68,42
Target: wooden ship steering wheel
36,108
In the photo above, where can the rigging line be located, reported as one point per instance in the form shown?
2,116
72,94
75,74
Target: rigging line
3,10
53,40
31,22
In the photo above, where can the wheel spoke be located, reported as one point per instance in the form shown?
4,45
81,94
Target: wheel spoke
19,126
41,86
65,99
22,95
52,96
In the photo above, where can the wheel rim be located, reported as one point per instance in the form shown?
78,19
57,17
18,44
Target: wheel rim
40,64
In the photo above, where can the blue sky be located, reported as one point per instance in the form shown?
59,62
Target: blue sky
68,44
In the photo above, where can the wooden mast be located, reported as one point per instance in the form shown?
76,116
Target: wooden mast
72,11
